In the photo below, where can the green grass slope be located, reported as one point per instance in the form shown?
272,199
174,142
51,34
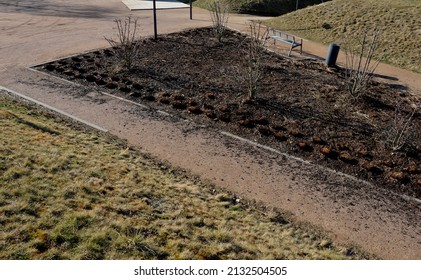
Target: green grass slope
400,21
72,194
261,7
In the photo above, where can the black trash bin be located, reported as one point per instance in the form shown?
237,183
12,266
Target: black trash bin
332,54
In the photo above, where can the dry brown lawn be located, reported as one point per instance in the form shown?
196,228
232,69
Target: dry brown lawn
68,193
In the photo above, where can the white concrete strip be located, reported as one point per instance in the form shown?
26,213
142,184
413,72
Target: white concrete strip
80,85
101,92
12,92
134,5
410,198
264,147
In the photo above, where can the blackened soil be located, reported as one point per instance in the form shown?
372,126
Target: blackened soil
302,107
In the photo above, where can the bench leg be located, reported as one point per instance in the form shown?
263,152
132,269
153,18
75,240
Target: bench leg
289,53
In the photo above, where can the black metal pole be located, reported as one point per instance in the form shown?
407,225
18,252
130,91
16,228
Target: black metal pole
191,9
155,32
296,6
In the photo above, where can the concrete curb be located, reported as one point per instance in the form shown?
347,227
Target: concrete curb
22,96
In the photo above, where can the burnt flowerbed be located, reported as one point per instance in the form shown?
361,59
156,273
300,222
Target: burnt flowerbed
302,107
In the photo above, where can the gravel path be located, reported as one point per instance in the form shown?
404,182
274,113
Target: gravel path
34,32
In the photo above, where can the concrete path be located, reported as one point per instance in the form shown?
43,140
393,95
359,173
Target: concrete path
35,31
384,73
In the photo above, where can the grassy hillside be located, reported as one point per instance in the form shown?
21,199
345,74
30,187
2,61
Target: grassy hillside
400,21
72,194
261,7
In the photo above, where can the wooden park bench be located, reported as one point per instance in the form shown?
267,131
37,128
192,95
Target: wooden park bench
287,38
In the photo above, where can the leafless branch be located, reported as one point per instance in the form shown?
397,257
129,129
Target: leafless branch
360,66
256,48
402,129
127,45
219,15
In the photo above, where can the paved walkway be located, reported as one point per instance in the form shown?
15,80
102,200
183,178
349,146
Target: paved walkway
34,32
385,73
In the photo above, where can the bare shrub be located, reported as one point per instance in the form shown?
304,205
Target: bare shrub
402,131
251,75
360,66
219,15
127,45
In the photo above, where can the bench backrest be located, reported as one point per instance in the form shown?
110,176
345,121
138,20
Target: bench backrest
284,35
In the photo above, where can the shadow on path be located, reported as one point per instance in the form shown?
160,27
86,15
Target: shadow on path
59,8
